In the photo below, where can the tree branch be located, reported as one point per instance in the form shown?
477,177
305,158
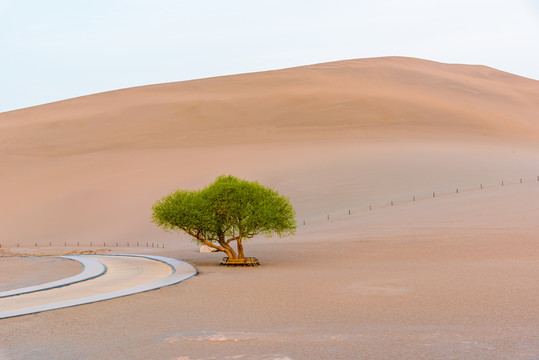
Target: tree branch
232,239
206,242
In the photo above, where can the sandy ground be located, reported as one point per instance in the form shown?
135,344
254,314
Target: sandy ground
452,276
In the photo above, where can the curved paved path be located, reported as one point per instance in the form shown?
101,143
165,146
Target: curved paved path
91,269
124,275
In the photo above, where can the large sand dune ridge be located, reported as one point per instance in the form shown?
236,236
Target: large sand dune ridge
356,99
451,276
331,136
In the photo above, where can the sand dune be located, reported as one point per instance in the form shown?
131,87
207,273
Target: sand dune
441,276
382,98
331,136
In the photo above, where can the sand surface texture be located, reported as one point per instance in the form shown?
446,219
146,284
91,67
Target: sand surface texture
449,275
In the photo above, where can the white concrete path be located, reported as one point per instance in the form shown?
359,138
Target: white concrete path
124,275
91,269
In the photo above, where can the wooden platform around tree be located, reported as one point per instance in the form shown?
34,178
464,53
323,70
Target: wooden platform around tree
248,261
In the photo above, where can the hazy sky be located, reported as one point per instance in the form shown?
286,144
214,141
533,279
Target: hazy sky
58,49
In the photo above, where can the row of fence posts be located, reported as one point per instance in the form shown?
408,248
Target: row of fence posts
392,203
148,244
304,223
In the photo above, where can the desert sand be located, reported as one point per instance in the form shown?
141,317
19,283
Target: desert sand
449,276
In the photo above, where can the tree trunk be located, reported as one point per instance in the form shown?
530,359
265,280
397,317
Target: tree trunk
228,249
230,254
240,250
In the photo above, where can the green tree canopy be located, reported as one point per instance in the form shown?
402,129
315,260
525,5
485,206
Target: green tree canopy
226,211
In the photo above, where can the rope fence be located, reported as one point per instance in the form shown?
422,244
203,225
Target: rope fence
93,244
305,222
414,198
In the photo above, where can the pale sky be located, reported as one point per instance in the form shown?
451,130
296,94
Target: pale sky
58,49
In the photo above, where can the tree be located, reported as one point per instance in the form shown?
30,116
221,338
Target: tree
226,211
